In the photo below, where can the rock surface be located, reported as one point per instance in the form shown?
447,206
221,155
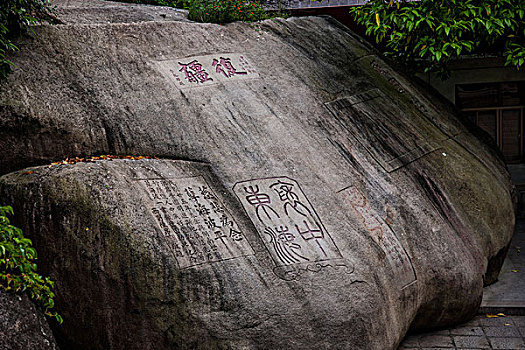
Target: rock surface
100,11
315,199
22,326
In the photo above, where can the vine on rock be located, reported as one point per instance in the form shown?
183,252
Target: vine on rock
18,270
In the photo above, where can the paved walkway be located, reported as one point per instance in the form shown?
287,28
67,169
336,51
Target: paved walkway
480,333
507,296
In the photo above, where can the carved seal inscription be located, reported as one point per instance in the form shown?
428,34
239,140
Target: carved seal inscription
207,70
289,226
198,228
382,234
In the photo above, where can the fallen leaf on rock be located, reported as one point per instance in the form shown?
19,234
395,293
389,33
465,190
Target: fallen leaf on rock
491,315
29,172
514,270
108,157
501,314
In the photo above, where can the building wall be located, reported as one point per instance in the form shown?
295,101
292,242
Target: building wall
471,71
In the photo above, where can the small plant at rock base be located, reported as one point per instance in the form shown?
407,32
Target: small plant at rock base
18,268
225,11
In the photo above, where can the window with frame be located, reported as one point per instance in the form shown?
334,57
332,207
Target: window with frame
498,109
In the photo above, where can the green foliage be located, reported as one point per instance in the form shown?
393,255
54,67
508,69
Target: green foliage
18,268
225,11
16,16
427,34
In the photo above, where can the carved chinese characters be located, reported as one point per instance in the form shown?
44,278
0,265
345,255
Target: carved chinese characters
198,227
207,70
382,234
290,228
193,73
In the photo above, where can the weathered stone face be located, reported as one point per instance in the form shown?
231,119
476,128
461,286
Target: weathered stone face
101,11
316,198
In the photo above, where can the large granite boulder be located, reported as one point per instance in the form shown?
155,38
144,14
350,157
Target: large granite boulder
313,198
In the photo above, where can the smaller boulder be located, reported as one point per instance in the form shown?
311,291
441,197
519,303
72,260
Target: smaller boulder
22,326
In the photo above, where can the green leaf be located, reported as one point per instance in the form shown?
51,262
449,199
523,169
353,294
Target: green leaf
16,266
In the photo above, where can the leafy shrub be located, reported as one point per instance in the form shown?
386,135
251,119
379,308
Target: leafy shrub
16,16
224,11
430,34
18,269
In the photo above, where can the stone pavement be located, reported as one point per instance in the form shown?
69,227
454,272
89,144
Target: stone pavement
482,332
507,296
